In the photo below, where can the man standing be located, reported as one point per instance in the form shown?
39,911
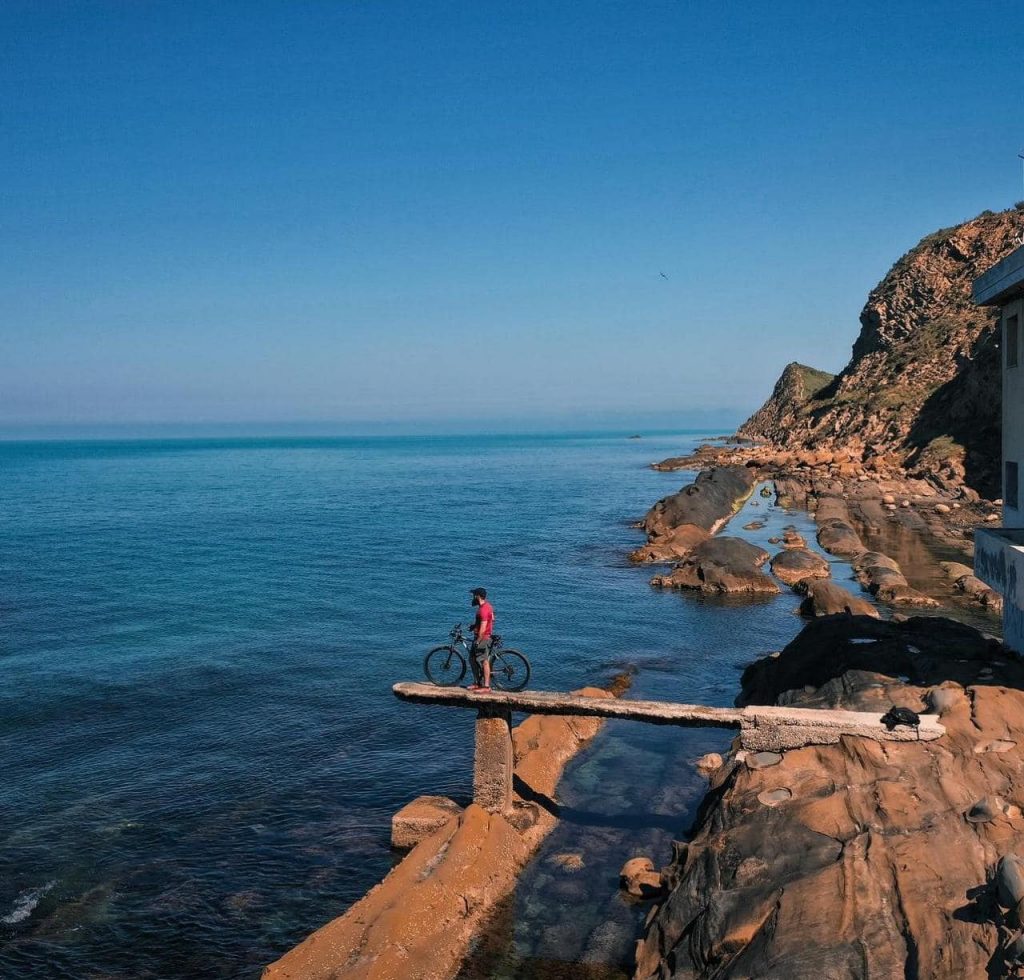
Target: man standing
482,628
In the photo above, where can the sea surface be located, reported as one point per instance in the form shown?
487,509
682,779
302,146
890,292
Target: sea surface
201,752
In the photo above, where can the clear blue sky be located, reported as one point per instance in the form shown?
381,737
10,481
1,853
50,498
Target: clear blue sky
433,211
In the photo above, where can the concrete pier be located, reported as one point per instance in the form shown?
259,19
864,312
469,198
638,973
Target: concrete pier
761,728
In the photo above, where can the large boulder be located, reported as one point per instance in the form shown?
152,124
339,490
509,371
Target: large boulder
708,502
721,565
796,564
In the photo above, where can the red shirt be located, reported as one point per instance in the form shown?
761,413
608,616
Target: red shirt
484,620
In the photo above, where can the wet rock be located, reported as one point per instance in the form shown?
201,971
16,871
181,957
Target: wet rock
793,539
672,545
796,564
568,862
721,565
823,598
1010,881
639,879
839,538
710,763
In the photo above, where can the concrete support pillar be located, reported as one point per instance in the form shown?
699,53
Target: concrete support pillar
492,767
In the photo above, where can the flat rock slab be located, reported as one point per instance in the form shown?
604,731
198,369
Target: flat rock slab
763,727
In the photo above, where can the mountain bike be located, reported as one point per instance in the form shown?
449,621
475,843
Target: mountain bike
446,666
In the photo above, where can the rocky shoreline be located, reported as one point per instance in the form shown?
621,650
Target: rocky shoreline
855,860
847,498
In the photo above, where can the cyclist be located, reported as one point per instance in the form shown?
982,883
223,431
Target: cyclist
482,629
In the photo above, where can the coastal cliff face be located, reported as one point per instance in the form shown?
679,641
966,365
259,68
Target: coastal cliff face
923,385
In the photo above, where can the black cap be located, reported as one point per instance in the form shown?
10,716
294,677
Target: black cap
480,592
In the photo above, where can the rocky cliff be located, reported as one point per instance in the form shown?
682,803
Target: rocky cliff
923,383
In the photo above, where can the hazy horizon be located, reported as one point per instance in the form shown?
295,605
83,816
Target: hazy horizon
407,214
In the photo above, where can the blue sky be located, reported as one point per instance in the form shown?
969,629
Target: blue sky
445,211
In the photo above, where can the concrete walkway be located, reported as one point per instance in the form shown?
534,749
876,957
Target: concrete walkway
761,728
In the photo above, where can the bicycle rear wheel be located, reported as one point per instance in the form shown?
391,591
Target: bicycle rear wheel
444,666
510,670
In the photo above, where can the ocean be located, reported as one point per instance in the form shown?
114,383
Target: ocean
198,638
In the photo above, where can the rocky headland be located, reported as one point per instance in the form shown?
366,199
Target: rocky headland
860,860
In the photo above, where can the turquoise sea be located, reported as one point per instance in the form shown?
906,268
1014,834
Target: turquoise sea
197,642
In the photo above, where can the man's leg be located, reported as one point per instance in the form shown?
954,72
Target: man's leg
485,663
474,662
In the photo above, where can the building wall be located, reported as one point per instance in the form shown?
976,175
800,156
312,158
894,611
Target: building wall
1013,411
999,563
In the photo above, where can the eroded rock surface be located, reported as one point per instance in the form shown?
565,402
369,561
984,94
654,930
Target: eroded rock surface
861,860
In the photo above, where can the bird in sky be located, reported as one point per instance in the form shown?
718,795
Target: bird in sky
663,276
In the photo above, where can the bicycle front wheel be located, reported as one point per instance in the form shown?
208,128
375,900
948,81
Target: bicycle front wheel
510,670
444,666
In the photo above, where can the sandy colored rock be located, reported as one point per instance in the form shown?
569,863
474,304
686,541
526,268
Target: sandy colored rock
639,878
709,763
420,818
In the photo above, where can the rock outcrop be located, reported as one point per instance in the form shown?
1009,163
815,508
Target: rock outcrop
861,860
922,387
679,522
721,565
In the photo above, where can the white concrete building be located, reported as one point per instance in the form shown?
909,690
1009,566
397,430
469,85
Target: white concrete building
999,552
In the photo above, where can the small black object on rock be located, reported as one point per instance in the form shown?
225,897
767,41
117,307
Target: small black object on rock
901,716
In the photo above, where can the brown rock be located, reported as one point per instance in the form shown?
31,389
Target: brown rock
671,546
639,879
721,565
796,564
792,866
828,599
839,538
421,818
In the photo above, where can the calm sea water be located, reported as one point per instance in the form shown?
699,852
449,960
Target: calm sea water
201,751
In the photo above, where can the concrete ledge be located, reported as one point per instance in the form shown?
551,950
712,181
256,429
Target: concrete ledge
761,727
